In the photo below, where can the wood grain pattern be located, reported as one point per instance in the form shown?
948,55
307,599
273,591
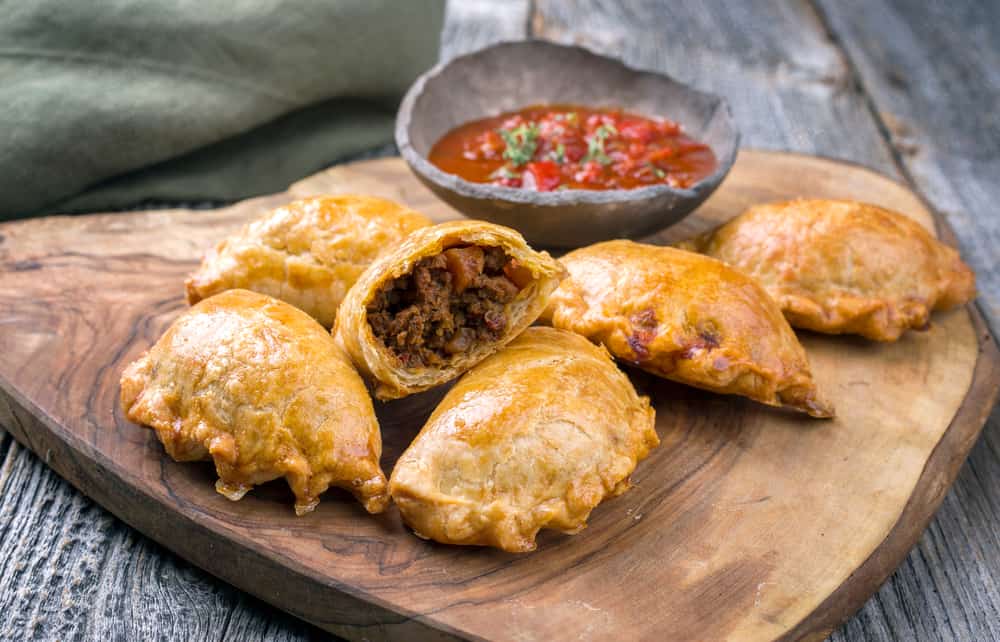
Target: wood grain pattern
932,107
788,86
474,24
926,70
89,569
899,86
763,56
236,615
714,511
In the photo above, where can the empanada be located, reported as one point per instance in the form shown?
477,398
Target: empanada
843,266
688,318
441,302
307,253
533,437
263,390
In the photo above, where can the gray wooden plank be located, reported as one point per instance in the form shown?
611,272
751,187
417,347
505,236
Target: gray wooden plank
793,87
474,24
932,74
254,621
71,571
789,86
932,70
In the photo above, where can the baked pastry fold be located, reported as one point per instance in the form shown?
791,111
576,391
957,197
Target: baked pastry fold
446,298
688,318
307,253
533,437
843,266
262,389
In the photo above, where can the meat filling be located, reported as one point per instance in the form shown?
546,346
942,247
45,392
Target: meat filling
447,304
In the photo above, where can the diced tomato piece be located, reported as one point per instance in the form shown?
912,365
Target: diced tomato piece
668,128
465,264
575,149
636,150
554,143
685,147
623,166
636,130
661,154
590,173
486,146
512,122
549,129
546,175
519,274
508,181
677,181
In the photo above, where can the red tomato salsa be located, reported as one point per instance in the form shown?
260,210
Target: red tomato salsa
548,147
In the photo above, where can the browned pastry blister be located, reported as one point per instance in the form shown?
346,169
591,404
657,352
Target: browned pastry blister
843,266
688,318
307,253
262,389
445,299
534,437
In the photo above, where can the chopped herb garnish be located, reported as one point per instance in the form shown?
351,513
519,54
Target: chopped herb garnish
595,145
558,154
563,146
522,141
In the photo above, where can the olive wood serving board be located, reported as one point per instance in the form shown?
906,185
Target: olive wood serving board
746,522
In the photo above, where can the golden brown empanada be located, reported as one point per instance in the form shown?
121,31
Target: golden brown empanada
685,317
843,266
307,253
533,437
262,389
441,302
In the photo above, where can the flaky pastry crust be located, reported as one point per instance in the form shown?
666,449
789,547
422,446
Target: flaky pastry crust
375,361
843,266
262,389
688,318
533,437
307,253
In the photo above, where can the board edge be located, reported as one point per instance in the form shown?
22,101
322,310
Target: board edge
936,479
33,429
972,415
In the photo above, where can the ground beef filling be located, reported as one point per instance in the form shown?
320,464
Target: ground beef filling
447,304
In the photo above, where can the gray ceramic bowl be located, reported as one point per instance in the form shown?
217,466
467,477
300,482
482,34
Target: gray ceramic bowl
512,75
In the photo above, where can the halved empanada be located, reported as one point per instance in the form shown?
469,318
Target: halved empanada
263,390
533,437
688,318
843,266
307,253
441,302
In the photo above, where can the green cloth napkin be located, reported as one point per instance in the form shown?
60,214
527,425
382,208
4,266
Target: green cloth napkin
105,104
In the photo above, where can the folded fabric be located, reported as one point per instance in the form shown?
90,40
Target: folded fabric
110,103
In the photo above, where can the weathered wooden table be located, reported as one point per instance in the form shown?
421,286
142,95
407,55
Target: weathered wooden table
910,89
